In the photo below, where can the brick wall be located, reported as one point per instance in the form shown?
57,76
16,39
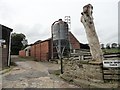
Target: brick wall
22,53
44,50
74,42
41,50
37,52
32,50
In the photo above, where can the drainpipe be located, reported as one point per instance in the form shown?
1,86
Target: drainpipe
9,51
40,51
51,43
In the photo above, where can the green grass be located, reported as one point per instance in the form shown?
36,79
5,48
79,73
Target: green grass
113,50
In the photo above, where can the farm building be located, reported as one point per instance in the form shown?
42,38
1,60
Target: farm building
42,50
25,52
59,45
5,45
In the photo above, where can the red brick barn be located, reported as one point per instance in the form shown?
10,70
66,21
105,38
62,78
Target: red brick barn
41,50
22,53
25,52
75,44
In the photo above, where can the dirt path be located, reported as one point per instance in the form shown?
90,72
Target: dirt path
31,74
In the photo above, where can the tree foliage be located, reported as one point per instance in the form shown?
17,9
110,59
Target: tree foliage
16,43
108,46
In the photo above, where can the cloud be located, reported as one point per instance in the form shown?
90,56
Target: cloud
34,17
6,13
80,35
33,33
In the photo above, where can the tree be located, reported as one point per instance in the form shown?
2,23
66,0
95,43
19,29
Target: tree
88,23
16,43
114,45
102,46
118,46
108,46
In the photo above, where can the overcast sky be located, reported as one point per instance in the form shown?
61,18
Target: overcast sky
34,17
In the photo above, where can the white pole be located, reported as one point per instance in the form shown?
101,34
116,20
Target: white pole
9,50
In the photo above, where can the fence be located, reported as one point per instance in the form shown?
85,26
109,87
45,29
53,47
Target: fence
81,55
111,69
86,55
112,55
111,73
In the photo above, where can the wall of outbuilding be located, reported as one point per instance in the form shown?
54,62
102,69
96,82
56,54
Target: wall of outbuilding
32,50
37,51
22,53
45,50
74,42
42,50
5,34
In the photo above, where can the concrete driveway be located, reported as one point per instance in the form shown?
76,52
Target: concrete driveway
32,74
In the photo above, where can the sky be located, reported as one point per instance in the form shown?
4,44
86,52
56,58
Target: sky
35,17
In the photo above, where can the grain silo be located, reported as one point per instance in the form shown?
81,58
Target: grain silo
60,41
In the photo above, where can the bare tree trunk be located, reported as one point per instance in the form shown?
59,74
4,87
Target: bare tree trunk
92,37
